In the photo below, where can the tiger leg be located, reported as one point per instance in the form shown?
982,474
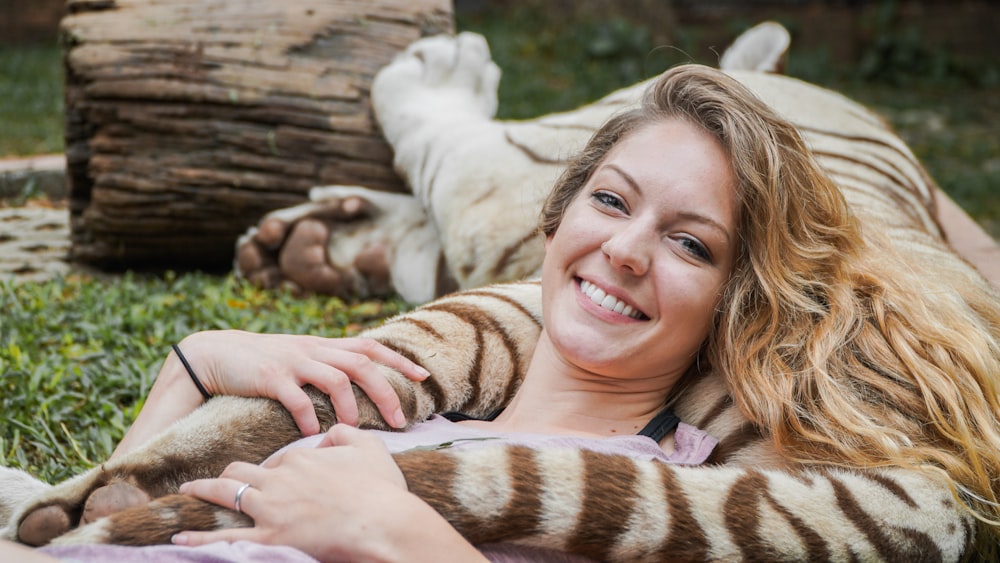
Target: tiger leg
354,242
201,445
155,522
614,508
346,241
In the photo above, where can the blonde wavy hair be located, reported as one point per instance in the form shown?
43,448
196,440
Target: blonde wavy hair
830,342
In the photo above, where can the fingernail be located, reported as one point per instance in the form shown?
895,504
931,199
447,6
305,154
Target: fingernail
183,488
423,372
398,420
179,539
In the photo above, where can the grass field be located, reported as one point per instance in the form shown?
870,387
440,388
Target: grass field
78,354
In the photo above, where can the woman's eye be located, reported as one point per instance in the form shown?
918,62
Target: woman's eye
696,248
609,200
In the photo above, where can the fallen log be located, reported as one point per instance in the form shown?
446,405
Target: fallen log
187,120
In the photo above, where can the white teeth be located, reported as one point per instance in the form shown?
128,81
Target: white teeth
609,302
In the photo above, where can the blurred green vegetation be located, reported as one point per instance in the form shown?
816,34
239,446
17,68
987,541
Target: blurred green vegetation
31,100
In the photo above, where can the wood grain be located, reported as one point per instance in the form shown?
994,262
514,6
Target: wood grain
187,120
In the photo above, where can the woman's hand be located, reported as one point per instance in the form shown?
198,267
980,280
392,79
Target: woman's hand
345,500
275,366
233,362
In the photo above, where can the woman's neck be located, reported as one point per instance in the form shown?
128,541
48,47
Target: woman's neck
557,397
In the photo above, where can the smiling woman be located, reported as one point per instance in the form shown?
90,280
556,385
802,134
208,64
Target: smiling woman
653,230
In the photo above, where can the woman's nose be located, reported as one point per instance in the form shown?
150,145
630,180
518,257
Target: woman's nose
628,249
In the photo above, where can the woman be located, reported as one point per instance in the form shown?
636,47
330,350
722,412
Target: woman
696,232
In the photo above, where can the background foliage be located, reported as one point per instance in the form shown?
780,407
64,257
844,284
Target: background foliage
78,354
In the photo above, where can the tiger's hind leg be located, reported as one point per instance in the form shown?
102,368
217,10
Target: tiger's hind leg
354,242
155,522
223,430
346,241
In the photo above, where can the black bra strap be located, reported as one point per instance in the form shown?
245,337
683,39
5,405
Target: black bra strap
456,416
662,424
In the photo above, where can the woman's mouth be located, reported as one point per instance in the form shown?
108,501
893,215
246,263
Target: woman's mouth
610,302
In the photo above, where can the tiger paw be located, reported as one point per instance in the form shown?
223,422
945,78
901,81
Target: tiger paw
289,248
341,243
155,522
40,526
436,79
55,517
110,499
16,489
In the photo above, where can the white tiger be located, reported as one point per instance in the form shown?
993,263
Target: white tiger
751,503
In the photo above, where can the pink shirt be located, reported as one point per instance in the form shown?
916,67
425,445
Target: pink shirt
691,445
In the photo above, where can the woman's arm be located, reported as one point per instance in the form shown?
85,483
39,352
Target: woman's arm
345,499
275,366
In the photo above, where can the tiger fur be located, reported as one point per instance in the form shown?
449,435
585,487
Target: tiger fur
748,503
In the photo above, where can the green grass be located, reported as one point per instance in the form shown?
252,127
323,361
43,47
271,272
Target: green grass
79,354
31,100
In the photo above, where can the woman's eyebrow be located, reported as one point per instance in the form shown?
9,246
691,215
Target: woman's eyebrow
686,215
625,176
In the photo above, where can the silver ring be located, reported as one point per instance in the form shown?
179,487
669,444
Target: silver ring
239,493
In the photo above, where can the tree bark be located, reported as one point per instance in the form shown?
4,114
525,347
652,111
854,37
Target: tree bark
187,120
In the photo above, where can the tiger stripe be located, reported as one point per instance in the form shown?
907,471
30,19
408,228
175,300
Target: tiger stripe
763,515
608,492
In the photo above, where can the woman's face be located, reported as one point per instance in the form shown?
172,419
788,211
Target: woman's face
634,272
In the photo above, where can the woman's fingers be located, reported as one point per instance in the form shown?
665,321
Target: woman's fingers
277,365
370,378
223,492
337,385
342,435
299,405
386,356
361,451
